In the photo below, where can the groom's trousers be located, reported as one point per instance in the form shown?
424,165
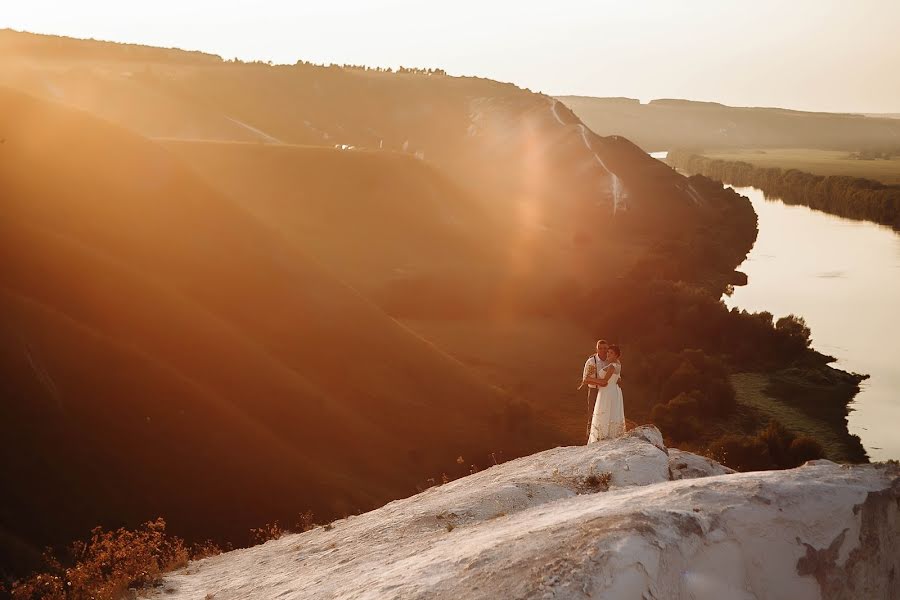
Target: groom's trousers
591,400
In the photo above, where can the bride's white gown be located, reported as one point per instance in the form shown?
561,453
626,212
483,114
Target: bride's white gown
609,410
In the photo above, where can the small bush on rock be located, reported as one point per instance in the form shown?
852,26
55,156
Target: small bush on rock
775,447
108,565
742,452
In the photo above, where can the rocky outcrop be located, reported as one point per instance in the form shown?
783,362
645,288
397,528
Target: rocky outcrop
621,519
685,465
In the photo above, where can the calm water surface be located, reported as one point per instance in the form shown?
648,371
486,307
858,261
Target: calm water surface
843,277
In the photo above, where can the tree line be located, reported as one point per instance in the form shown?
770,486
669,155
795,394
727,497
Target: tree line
850,197
347,67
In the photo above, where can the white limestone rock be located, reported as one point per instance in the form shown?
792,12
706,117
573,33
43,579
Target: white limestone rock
685,465
537,527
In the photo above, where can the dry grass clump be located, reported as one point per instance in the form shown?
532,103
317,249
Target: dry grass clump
269,531
591,483
594,482
109,564
273,531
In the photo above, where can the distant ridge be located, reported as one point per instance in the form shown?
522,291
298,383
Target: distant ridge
46,46
667,123
882,115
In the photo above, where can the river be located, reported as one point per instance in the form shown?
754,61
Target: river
843,277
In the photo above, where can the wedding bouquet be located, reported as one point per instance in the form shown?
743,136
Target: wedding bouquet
591,372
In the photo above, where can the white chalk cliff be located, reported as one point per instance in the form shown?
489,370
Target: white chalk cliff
670,525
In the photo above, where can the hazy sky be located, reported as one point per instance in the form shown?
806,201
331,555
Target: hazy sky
836,55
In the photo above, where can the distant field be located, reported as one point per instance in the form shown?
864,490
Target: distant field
818,162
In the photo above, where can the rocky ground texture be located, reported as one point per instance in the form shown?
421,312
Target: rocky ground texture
627,518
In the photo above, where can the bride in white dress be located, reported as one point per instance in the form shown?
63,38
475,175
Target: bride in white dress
609,411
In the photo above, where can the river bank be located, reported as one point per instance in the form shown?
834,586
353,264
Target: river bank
802,401
849,197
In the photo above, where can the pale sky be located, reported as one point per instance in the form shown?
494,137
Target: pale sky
834,55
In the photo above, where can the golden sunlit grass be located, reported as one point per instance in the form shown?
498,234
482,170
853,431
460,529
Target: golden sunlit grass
359,212
529,357
110,563
274,530
113,562
239,332
817,162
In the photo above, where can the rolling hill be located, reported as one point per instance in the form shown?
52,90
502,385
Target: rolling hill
232,292
483,134
143,308
397,222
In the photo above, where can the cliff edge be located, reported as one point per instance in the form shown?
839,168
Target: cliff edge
627,518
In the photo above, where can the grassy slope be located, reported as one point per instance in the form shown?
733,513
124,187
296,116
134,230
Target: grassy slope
400,227
538,359
751,393
817,162
143,306
369,216
667,124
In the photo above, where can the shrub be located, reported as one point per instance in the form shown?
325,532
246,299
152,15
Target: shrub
269,531
685,378
805,448
208,548
678,418
796,335
777,439
705,378
774,447
305,522
786,449
721,397
107,565
112,562
742,452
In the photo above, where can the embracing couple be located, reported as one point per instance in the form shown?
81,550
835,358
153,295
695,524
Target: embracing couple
602,372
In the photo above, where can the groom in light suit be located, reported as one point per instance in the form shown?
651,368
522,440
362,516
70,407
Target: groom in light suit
598,361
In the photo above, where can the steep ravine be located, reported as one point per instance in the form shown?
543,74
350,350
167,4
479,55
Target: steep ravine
670,525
